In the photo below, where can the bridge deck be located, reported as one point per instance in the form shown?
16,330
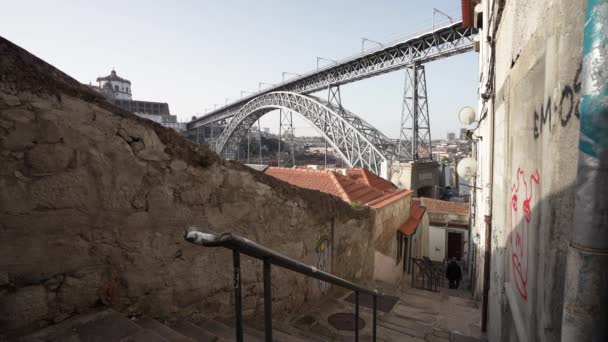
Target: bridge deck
424,47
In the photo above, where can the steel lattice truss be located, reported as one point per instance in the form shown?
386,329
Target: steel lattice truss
440,43
356,141
415,136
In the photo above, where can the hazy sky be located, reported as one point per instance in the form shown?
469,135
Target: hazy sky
194,54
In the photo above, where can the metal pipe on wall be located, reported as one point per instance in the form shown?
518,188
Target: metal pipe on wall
585,310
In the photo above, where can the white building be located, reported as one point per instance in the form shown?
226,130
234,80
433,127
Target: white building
115,87
118,91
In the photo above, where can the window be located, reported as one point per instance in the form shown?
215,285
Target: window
115,88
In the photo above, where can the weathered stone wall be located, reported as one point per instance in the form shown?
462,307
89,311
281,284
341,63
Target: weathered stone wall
94,202
534,119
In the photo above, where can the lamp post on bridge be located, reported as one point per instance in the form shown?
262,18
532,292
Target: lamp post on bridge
325,59
440,12
246,91
363,40
260,85
289,73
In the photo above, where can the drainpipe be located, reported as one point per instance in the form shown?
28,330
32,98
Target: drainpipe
585,310
488,216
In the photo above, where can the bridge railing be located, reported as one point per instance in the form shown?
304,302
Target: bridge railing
239,244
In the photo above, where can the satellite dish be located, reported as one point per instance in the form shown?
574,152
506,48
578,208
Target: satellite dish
467,115
467,168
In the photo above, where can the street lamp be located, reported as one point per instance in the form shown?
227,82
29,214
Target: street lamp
325,59
246,91
289,73
260,85
438,11
363,40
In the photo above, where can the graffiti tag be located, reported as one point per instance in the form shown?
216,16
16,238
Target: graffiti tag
564,108
521,196
323,251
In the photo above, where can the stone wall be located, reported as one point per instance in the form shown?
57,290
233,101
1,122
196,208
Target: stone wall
534,120
94,202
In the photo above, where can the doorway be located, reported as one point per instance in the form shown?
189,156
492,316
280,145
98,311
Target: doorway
454,245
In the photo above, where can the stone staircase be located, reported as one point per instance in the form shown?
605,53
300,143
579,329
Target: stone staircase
416,316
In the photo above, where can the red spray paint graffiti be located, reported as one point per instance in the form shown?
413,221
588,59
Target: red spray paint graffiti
520,228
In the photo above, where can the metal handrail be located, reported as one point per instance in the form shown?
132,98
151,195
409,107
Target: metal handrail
428,270
239,244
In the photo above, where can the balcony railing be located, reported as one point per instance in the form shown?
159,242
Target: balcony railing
239,244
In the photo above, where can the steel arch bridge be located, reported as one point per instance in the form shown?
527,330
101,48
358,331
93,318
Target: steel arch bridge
356,141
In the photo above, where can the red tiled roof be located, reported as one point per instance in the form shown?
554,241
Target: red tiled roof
389,198
326,181
363,176
359,175
409,226
446,207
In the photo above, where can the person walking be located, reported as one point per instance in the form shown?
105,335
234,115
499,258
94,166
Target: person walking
453,273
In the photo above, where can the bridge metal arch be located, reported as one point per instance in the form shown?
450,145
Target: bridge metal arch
357,142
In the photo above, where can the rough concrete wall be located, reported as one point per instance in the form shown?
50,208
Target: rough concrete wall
94,202
538,65
387,220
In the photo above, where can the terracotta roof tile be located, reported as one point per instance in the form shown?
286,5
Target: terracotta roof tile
359,175
389,198
446,207
409,226
327,181
364,176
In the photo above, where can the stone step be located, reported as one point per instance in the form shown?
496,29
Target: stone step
107,325
277,335
391,335
227,332
194,332
145,335
162,330
404,330
285,333
405,324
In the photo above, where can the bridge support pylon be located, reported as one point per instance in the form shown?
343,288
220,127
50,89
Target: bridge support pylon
286,131
415,136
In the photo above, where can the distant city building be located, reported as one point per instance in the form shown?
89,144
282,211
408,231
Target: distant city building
463,134
451,136
118,91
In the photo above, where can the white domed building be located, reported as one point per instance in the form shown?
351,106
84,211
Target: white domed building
114,87
118,91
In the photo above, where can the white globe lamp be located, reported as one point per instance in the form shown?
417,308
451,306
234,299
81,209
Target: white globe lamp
467,115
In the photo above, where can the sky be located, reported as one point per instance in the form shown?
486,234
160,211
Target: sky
195,54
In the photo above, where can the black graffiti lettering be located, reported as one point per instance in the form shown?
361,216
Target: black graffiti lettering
545,115
568,103
564,115
536,132
577,89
